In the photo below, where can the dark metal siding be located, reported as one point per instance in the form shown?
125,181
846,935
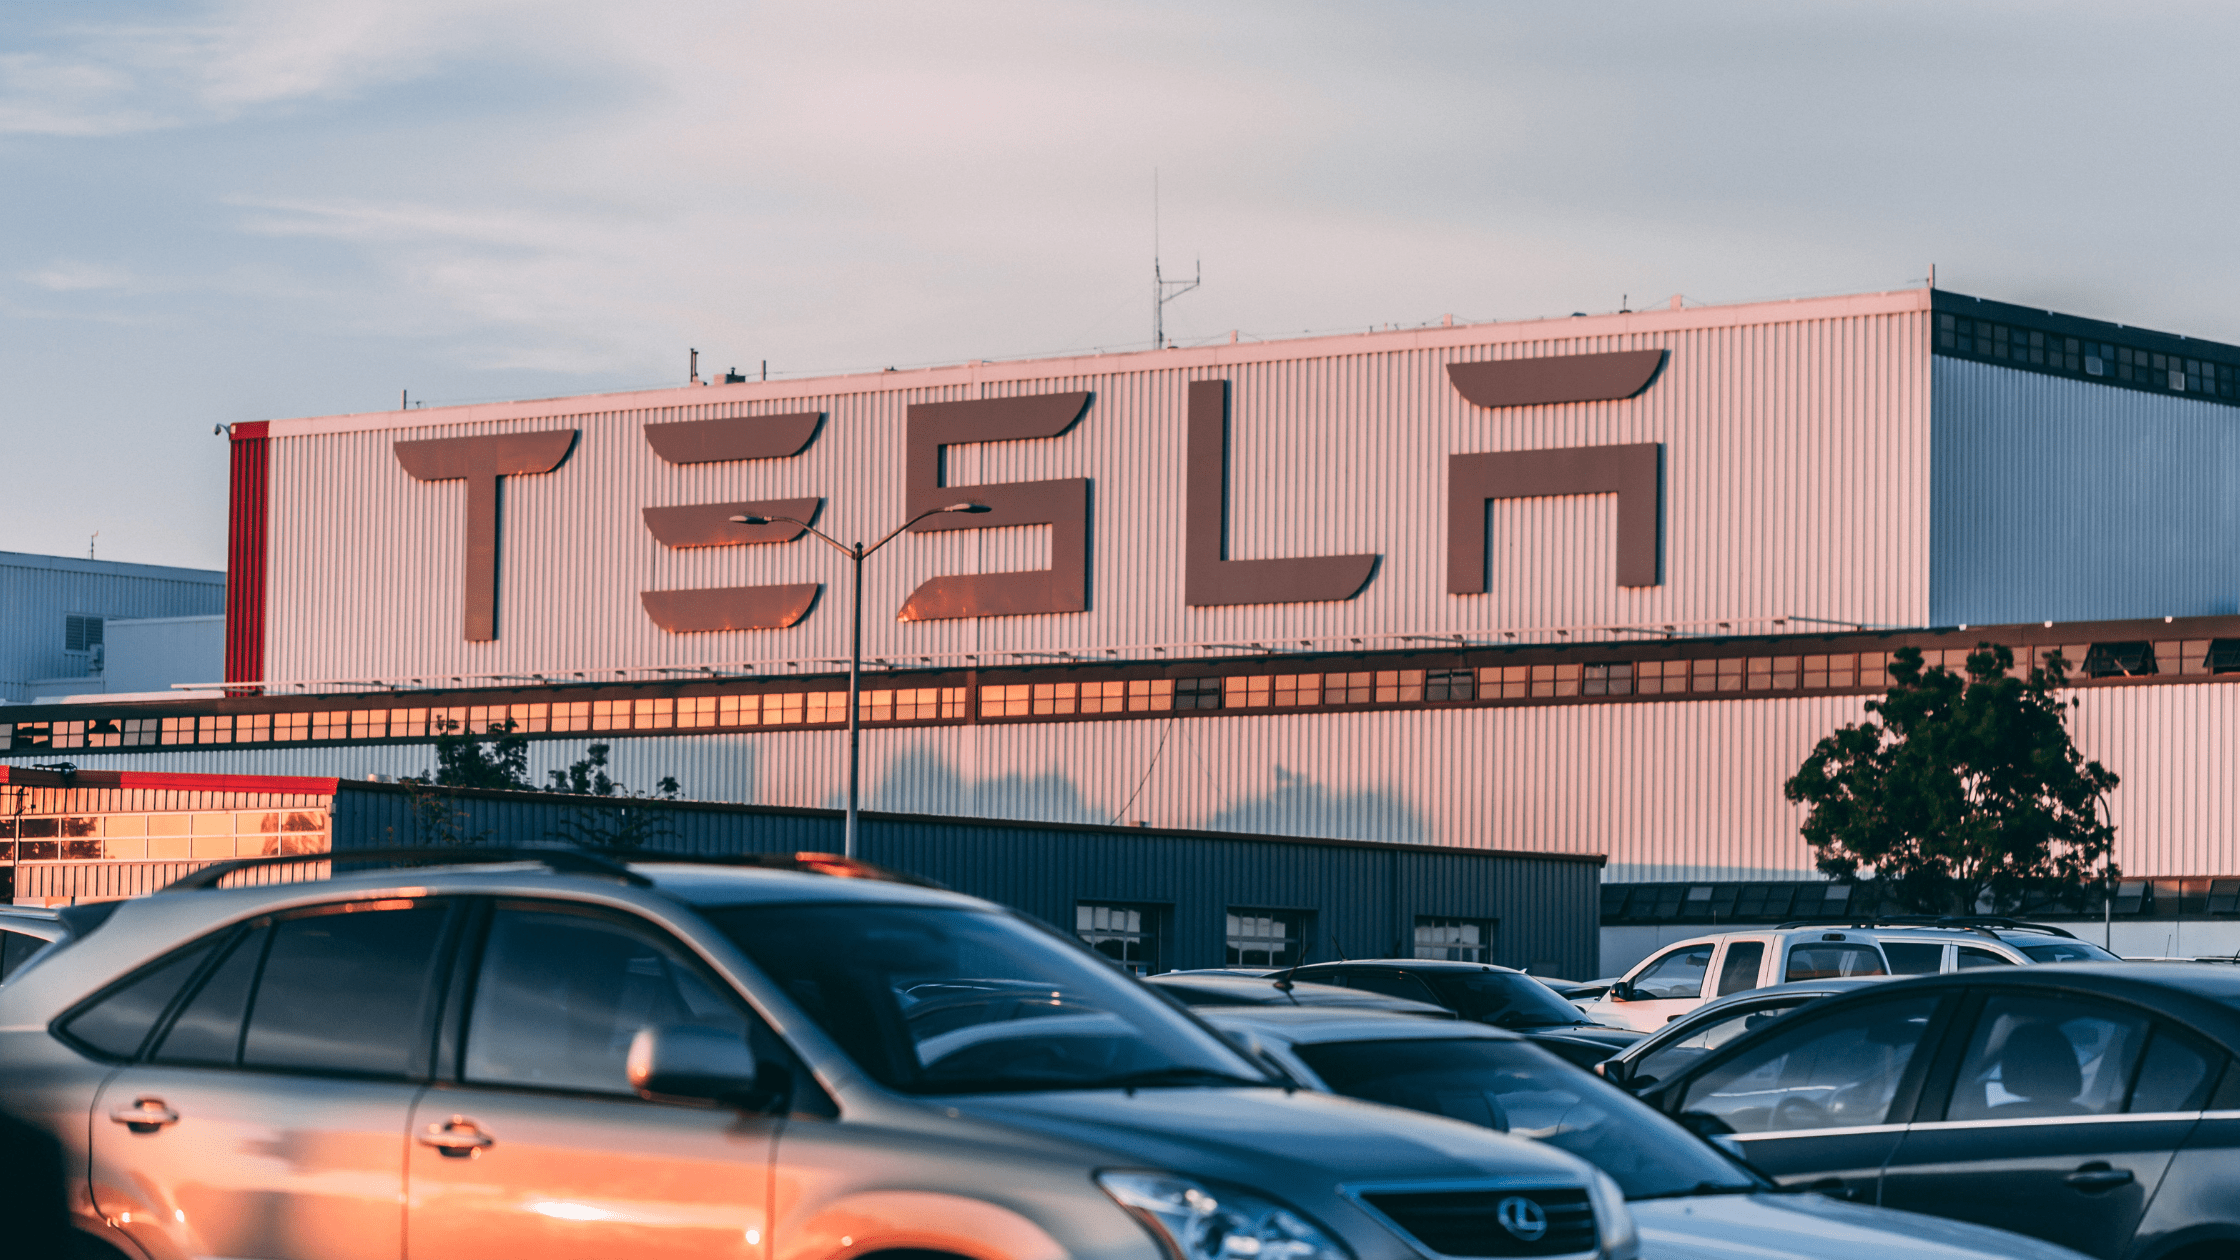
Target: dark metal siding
1364,897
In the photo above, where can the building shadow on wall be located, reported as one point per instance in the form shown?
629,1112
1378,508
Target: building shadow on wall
1299,806
928,783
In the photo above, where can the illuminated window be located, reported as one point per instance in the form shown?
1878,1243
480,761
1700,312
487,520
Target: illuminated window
1296,689
1152,694
1126,934
1266,938
1456,940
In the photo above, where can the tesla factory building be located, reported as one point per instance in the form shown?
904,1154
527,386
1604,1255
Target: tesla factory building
1586,587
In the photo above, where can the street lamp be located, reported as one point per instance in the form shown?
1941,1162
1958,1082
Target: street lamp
856,556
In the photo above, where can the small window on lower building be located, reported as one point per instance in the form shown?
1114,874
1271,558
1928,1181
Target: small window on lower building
1126,934
2119,660
1450,684
1197,693
1267,938
1455,940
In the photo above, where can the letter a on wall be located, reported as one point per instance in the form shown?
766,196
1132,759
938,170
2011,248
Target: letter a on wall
480,462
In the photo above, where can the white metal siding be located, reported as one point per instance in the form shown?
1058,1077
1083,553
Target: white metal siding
1668,790
37,592
1796,451
2060,500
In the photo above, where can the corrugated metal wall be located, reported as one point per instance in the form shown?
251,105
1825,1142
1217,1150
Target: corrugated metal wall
1796,459
1363,900
38,592
2058,500
1687,790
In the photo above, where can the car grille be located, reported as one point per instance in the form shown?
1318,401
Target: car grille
1469,1222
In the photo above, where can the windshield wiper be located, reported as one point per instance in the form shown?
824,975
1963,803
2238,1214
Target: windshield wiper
1702,1188
1172,1076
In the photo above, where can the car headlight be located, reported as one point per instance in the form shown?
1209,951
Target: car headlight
1621,1240
1196,1221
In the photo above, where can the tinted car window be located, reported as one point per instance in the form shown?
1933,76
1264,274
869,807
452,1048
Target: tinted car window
1678,974
1397,984
1972,956
1913,958
2176,1073
118,1022
1833,960
561,994
347,992
935,1000
1739,970
1507,998
1667,1061
1519,1088
16,949
208,1028
1840,1070
2067,951
2042,1056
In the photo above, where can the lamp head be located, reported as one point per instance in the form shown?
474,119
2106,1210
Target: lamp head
968,507
749,520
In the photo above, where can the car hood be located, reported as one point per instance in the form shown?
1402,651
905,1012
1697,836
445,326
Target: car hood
1283,1142
1815,1227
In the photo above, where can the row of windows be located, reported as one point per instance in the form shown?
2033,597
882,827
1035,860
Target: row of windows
1773,902
1817,672
163,837
2051,352
1135,936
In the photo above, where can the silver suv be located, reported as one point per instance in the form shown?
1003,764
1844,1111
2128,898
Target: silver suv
1680,977
561,1057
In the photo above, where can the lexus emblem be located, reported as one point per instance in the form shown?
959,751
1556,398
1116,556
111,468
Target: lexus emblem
1524,1219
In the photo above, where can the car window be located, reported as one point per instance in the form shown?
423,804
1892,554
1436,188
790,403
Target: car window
948,1000
1914,958
1506,998
1678,974
347,989
560,995
2175,1073
1519,1088
1397,984
1972,956
2046,1056
1739,969
1833,960
1668,1060
117,1022
16,949
2066,951
1840,1070
207,1029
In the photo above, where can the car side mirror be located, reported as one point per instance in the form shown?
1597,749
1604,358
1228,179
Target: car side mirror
1614,1071
699,1063
1620,991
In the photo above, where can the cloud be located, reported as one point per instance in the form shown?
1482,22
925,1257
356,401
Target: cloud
64,276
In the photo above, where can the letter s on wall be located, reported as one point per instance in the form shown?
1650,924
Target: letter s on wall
1063,505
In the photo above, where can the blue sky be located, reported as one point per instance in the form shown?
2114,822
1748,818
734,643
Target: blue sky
246,209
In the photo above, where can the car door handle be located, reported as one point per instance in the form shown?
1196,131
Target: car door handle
456,1138
1833,1187
2095,1177
145,1115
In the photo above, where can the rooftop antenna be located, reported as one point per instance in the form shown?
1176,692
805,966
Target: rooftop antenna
1159,283
696,367
89,543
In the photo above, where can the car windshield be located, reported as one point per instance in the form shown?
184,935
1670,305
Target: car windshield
1509,999
939,1000
2067,951
1516,1087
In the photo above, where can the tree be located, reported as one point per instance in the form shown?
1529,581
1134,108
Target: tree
1965,792
499,759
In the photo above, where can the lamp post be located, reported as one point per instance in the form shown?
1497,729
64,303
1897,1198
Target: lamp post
856,556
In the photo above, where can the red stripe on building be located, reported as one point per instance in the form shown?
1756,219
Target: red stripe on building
285,784
251,507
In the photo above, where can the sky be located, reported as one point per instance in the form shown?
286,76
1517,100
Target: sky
247,209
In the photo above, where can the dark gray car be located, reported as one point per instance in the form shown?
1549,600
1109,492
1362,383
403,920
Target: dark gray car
2096,1104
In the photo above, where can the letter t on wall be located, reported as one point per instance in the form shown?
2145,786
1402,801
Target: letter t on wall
480,461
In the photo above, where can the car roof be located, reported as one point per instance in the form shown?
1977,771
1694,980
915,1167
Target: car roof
2208,998
1313,1025
1418,964
1268,991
